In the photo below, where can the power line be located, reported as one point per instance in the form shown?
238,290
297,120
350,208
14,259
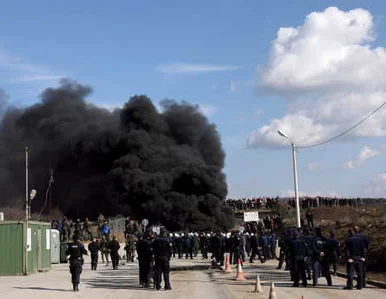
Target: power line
346,131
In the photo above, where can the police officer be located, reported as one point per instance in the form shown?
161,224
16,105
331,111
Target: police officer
321,255
335,246
355,254
366,243
145,259
114,247
93,247
162,252
298,253
76,250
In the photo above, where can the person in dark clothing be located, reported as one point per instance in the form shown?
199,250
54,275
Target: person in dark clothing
78,228
204,244
335,251
93,247
114,247
321,256
309,238
76,250
188,246
145,259
283,249
366,243
254,248
355,255
162,253
298,253
310,218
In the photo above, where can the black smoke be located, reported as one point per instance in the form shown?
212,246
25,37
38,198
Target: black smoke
165,166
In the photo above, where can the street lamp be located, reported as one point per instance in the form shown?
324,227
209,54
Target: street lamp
295,170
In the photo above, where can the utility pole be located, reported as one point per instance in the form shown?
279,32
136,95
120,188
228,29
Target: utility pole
26,214
295,170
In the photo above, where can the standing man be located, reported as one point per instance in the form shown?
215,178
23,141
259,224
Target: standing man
104,249
355,255
322,253
162,252
114,247
310,218
298,253
335,247
145,259
87,230
78,229
76,250
93,247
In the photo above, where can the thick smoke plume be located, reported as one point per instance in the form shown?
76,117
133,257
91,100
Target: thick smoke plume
165,166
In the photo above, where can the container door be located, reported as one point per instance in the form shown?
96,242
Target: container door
55,246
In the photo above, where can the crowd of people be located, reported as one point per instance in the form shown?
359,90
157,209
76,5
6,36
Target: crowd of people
306,252
308,255
254,203
305,202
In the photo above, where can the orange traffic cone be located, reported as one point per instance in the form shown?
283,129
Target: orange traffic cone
228,267
272,292
240,274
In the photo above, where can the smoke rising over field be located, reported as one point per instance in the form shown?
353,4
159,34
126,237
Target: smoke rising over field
164,166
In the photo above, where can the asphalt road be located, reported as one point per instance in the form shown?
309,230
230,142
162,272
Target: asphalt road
108,283
123,283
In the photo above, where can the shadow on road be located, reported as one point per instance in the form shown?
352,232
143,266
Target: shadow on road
43,289
116,282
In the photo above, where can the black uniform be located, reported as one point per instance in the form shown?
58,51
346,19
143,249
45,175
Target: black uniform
321,256
93,247
298,253
355,254
75,251
162,253
335,247
145,259
114,247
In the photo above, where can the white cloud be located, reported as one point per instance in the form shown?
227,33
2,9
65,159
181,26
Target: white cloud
348,165
375,186
179,68
325,69
367,153
15,70
313,166
233,86
207,109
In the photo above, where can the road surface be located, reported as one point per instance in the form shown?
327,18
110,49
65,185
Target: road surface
283,285
123,283
108,283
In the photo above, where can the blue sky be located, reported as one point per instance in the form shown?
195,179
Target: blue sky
233,59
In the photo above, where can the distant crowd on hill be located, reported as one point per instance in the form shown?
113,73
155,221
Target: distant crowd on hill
305,202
